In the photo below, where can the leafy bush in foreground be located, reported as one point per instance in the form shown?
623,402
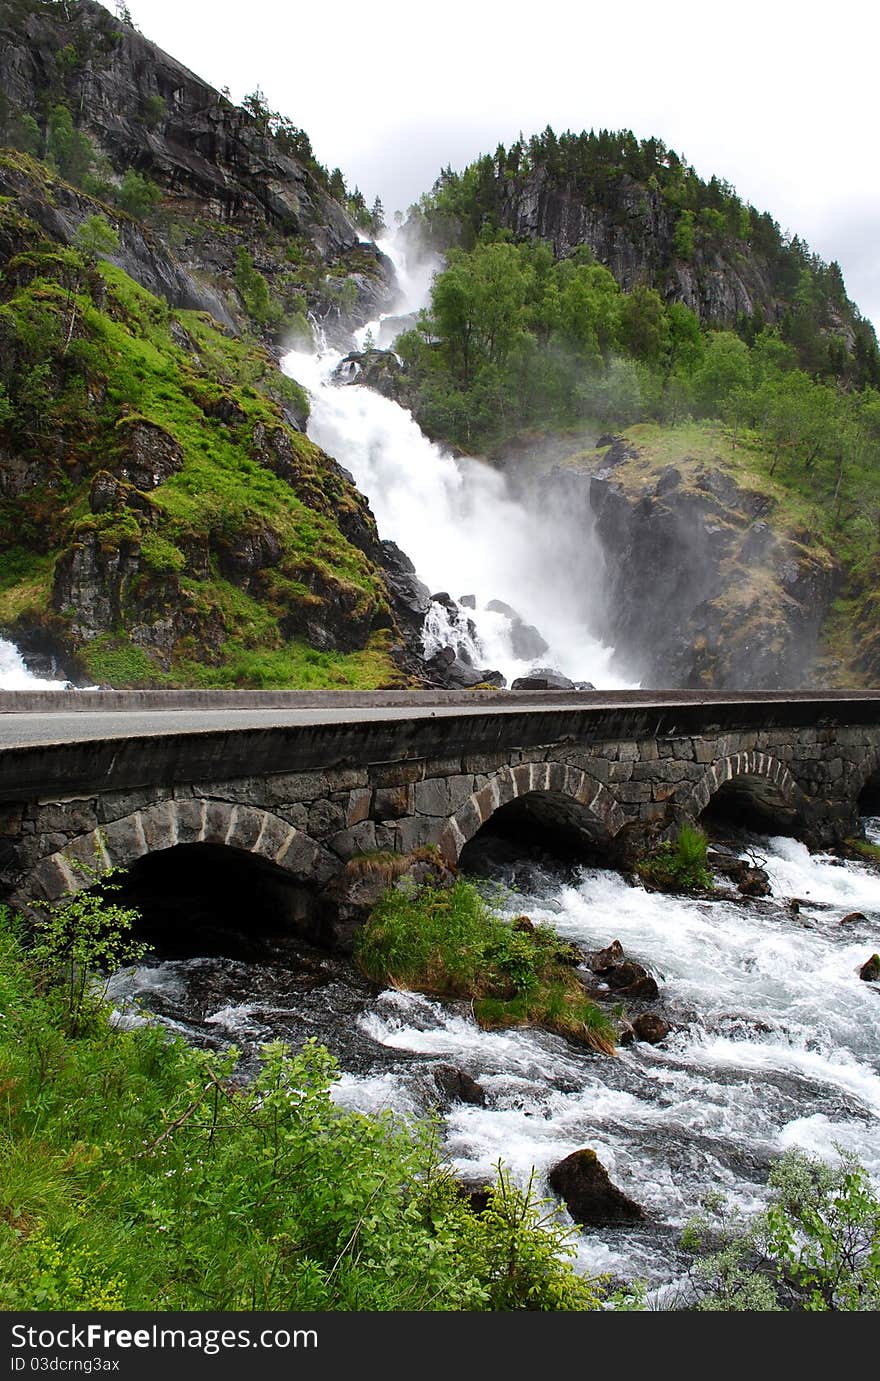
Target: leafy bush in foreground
815,1248
138,1173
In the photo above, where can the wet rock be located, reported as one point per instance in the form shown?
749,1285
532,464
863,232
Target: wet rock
582,1181
870,971
455,1086
493,678
603,959
852,917
750,879
754,883
542,679
651,1028
624,976
468,601
477,1196
523,923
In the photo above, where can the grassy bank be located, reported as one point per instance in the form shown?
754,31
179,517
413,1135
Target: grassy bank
137,1173
450,942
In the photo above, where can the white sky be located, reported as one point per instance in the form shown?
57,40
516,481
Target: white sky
775,96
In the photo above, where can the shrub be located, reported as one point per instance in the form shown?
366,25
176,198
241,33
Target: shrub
815,1248
138,1173
678,867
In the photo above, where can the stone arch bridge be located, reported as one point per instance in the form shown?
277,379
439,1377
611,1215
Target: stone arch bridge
304,782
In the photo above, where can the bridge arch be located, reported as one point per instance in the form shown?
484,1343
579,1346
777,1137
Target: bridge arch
554,784
866,794
759,783
171,824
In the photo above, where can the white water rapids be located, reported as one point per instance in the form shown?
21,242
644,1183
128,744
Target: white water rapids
14,675
458,520
776,1045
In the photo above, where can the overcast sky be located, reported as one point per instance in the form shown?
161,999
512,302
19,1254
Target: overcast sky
779,98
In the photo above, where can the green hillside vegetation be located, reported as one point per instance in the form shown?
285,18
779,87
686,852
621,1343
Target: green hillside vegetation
624,180
517,344
238,537
138,1173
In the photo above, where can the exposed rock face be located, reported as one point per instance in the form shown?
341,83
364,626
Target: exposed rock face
699,588
199,146
223,179
635,238
582,1181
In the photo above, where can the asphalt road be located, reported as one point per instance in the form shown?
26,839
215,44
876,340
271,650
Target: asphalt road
62,725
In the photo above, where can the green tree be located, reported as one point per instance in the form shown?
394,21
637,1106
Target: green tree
137,195
725,366
69,149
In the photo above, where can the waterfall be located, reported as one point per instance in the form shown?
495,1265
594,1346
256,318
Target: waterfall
458,520
14,675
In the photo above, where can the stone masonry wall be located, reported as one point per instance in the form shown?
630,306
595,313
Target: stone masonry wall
311,823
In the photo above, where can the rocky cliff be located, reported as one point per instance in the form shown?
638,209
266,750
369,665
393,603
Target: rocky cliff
227,184
163,519
697,576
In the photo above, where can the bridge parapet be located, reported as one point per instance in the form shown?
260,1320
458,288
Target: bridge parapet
611,778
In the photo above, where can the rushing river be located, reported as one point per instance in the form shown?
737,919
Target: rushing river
776,1042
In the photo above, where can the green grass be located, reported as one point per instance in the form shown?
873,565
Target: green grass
218,400
450,942
137,1173
679,866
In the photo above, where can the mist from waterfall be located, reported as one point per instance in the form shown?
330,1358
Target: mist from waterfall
458,519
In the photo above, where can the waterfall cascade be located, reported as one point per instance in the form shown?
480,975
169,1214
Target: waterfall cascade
458,520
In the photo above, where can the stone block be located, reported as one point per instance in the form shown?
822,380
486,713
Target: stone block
483,762
190,822
631,793
245,826
326,818
125,840
295,786
397,773
249,791
345,778
620,772
418,830
442,795
683,748
393,802
296,813
217,821
159,826
275,838
360,839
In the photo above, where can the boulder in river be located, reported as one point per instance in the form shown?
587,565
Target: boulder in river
870,971
582,1181
624,976
542,679
853,916
607,958
455,1086
651,1027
